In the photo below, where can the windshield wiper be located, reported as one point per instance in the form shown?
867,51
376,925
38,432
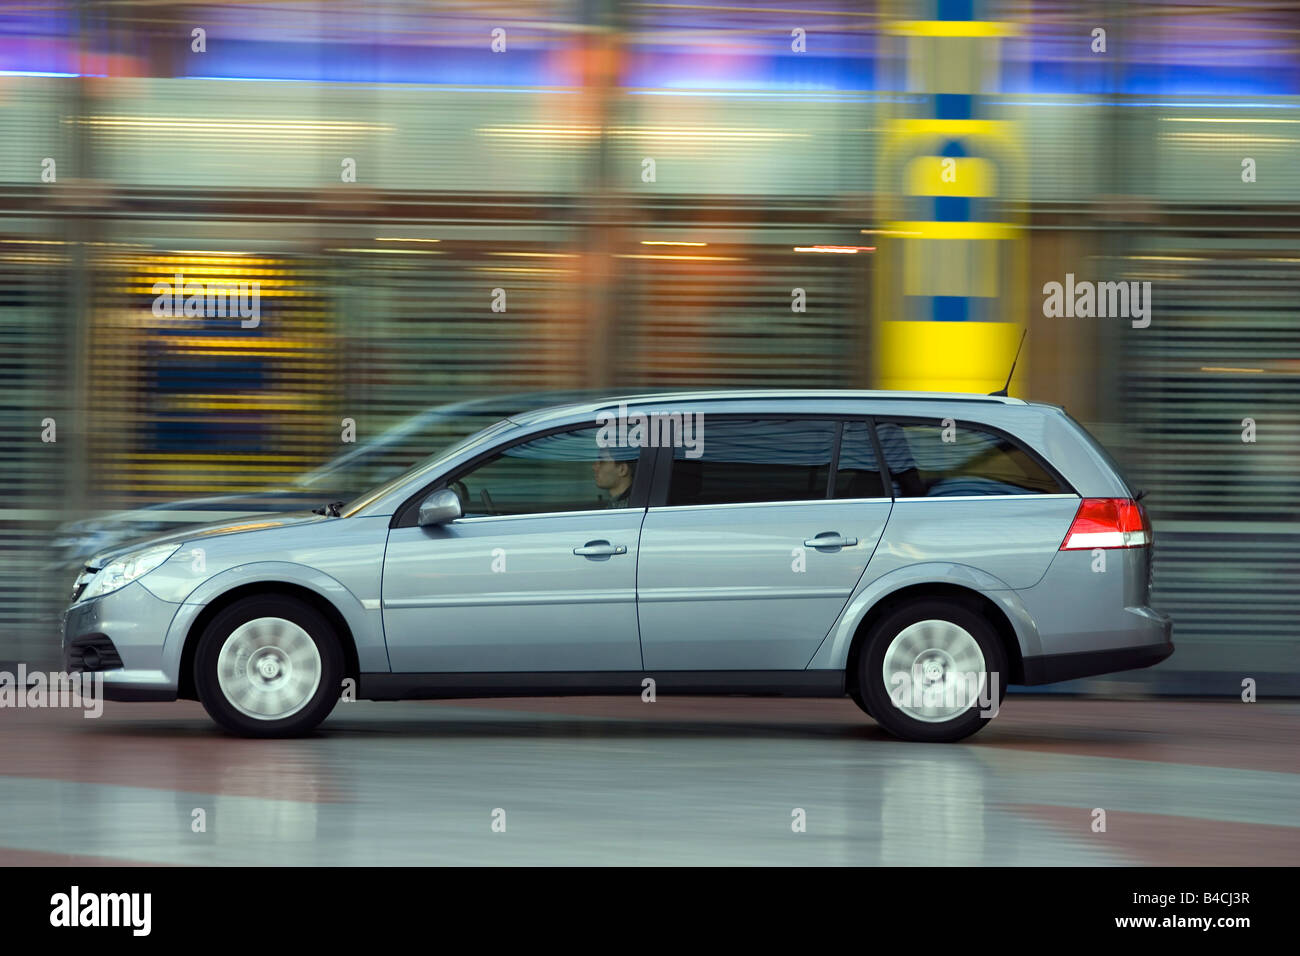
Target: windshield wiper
332,509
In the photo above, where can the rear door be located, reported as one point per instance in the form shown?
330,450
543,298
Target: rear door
969,494
751,549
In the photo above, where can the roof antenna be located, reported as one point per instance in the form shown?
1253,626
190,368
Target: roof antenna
1002,392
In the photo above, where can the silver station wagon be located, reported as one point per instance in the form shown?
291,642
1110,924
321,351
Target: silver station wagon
916,552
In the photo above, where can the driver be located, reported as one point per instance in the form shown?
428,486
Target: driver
614,477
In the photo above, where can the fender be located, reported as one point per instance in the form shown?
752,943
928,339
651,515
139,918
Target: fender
365,623
833,654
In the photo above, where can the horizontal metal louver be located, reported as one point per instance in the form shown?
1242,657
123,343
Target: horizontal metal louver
1223,346
38,374
730,324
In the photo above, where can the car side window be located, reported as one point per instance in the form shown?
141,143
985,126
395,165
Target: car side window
567,471
934,461
740,462
858,473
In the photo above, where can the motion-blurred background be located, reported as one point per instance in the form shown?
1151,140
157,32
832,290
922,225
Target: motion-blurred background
506,146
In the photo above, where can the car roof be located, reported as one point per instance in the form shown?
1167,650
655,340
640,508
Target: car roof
566,411
1042,427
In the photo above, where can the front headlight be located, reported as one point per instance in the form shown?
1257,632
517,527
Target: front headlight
122,571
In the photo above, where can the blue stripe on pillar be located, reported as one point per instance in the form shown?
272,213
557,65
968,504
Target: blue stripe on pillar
951,209
955,10
949,308
953,106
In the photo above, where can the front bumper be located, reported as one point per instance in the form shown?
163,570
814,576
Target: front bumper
137,686
128,630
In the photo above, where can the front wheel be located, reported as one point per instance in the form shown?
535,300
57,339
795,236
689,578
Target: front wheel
268,666
932,671
857,698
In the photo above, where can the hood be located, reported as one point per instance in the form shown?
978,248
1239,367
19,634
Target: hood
201,532
74,541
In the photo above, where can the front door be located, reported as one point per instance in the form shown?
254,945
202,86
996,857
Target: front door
539,574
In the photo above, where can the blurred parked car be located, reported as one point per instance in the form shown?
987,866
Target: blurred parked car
360,467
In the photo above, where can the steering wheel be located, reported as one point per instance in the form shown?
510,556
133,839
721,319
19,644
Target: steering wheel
487,501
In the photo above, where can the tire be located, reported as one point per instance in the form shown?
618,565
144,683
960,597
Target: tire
857,699
268,666
948,656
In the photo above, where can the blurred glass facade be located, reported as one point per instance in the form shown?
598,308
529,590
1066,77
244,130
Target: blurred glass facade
505,234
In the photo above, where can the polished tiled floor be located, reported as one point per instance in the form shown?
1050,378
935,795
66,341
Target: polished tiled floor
687,781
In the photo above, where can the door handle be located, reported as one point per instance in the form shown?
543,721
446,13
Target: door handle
830,539
600,548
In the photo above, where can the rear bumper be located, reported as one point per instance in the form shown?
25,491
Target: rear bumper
1154,644
1058,667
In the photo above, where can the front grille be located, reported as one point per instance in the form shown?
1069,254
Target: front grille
94,653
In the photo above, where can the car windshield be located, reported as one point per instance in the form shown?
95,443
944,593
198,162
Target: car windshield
433,461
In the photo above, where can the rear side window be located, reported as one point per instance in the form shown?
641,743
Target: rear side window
740,462
934,461
1086,434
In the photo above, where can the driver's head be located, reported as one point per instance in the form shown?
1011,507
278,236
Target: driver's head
612,476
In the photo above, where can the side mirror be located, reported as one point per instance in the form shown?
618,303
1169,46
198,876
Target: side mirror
439,508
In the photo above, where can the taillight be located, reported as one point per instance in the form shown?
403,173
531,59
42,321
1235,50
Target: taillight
1108,523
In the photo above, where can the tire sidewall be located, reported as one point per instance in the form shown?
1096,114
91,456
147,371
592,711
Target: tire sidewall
247,609
871,682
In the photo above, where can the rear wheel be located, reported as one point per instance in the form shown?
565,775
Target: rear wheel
268,666
932,671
